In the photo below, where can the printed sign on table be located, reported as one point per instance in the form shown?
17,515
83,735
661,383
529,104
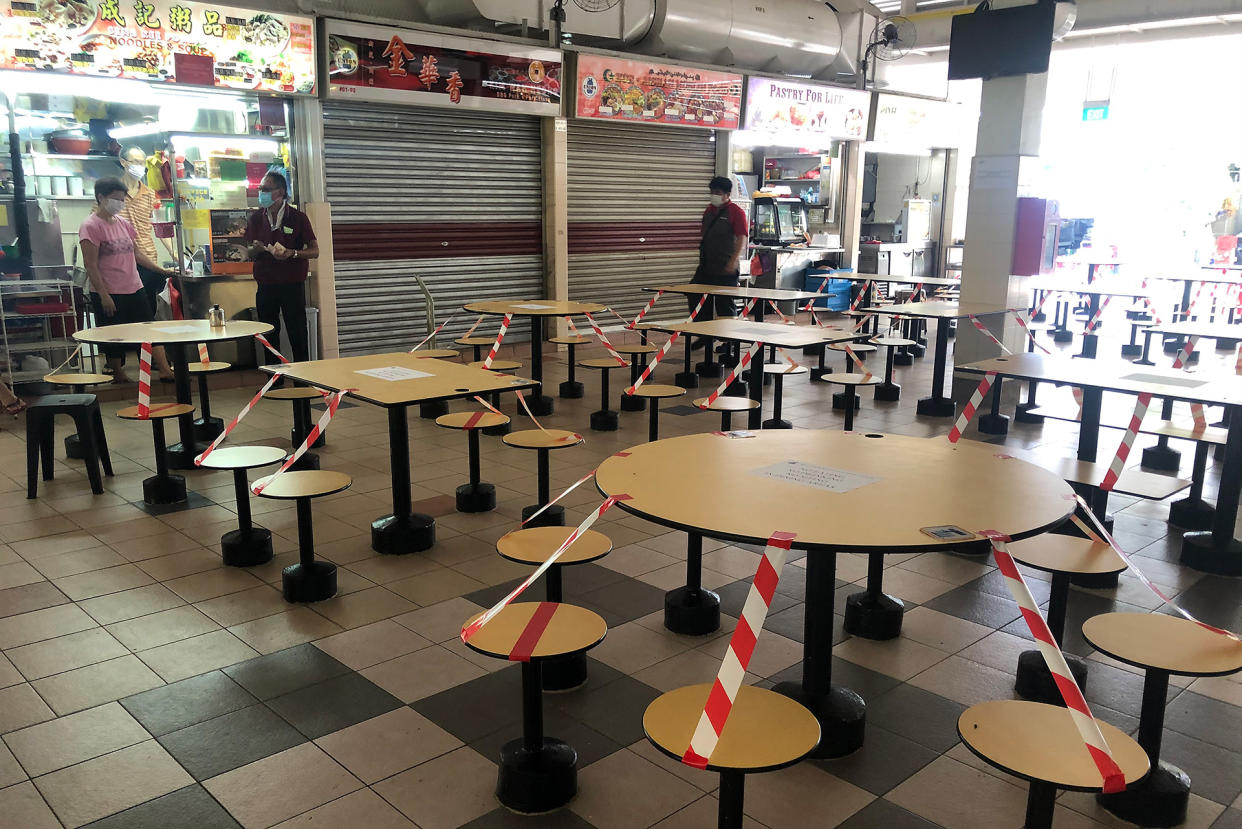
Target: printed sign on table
630,90
174,41
813,475
806,110
372,62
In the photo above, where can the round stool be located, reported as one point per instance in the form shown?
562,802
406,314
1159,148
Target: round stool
1040,743
532,546
571,389
436,354
301,396
779,371
497,365
308,580
434,408
474,496
206,427
888,391
543,442
1134,348
247,545
1064,556
654,392
849,397
765,731
862,350
78,381
638,361
1161,645
162,488
476,343
537,773
726,406
604,420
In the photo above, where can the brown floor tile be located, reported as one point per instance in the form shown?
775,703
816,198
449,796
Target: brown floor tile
418,793
54,545
284,630
213,583
422,673
27,598
18,574
235,608
9,675
160,628
38,625
10,770
80,561
435,586
20,706
130,604
62,742
64,653
374,643
363,808
362,608
786,797
38,528
388,744
935,793
96,684
23,806
197,655
276,788
624,790
175,565
162,543
442,621
101,582
108,784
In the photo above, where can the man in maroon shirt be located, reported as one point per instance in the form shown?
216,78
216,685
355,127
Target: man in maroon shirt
724,235
281,243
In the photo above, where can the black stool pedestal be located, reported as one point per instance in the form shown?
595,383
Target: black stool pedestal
308,580
537,773
872,613
692,610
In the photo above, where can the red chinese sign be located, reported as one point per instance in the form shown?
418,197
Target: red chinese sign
376,63
629,90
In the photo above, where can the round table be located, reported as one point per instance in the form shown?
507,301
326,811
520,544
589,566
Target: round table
538,310
175,335
837,492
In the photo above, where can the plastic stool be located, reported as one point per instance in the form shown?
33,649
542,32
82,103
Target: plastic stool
40,425
77,383
726,406
638,361
779,371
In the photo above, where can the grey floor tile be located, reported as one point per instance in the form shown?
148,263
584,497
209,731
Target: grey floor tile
279,673
235,739
885,760
926,718
188,808
476,708
504,819
334,704
880,814
181,704
586,741
615,710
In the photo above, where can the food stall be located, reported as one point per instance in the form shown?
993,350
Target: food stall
202,90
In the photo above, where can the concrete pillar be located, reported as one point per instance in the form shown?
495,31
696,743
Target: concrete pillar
556,214
850,220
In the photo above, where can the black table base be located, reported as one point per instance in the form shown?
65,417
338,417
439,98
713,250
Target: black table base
1201,552
1192,514
181,457
936,407
1034,681
479,497
693,611
540,405
393,536
873,615
309,581
1159,799
842,716
537,773
242,548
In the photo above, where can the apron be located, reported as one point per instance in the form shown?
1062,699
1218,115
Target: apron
715,250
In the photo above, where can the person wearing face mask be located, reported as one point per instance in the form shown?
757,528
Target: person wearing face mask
282,242
724,235
111,257
140,203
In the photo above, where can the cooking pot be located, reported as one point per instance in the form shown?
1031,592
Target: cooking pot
69,142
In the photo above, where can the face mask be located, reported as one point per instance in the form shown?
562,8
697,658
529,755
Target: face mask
136,170
717,200
113,206
265,199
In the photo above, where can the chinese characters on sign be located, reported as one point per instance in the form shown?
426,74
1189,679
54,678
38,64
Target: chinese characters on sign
370,62
224,46
800,109
631,90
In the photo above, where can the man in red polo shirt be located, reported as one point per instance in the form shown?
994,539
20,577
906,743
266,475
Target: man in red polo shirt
725,231
281,244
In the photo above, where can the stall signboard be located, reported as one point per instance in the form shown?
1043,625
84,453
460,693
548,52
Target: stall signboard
803,110
173,41
629,90
372,62
902,121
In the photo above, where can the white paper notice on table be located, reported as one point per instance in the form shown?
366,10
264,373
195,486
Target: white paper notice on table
533,306
177,329
394,373
820,477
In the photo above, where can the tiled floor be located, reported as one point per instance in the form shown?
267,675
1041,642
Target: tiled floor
143,685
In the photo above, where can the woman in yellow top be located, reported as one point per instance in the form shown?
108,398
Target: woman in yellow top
140,203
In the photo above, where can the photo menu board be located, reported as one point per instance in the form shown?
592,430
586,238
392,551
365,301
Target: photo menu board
629,90
173,41
788,108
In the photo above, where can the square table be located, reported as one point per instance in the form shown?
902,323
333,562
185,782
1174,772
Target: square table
424,381
943,313
1215,551
1093,292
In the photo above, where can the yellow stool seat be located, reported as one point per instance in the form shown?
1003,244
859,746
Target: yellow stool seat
1163,642
459,420
209,367
293,393
570,630
726,403
77,379
783,368
158,411
311,483
244,457
498,365
1054,553
435,354
569,340
541,439
475,340
658,391
533,545
853,379
604,363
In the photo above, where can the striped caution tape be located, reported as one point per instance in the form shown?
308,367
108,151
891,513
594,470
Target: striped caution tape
570,322
434,332
203,356
810,303
646,308
569,489
698,307
1026,328
654,362
741,649
472,628
67,361
858,363
237,418
747,356
866,288
1100,535
1190,309
472,328
522,400
747,308
334,401
983,329
1080,712
500,337
1094,322
793,364
1182,361
972,406
1127,443
144,381
263,342
599,332
777,309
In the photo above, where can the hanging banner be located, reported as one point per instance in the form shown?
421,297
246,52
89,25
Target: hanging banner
806,110
372,62
174,41
630,90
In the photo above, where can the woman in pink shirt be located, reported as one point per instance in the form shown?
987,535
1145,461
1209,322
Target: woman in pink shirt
111,259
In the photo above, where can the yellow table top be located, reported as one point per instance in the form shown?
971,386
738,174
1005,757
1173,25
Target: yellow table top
77,379
772,333
836,490
1036,741
934,309
171,331
156,411
571,629
765,730
1169,643
727,403
534,307
740,292
444,380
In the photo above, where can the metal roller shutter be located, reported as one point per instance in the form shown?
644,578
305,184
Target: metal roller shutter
636,195
454,197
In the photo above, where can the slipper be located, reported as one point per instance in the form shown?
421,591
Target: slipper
16,407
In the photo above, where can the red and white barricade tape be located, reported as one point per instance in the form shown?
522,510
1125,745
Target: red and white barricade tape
334,401
1182,361
1094,322
810,303
237,418
570,322
866,288
263,342
747,356
741,649
777,309
599,332
858,363
1113,778
1190,309
144,381
472,328
500,337
972,406
522,400
1026,328
794,365
472,628
570,489
697,308
427,338
646,308
747,308
983,329
1127,443
203,356
642,378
